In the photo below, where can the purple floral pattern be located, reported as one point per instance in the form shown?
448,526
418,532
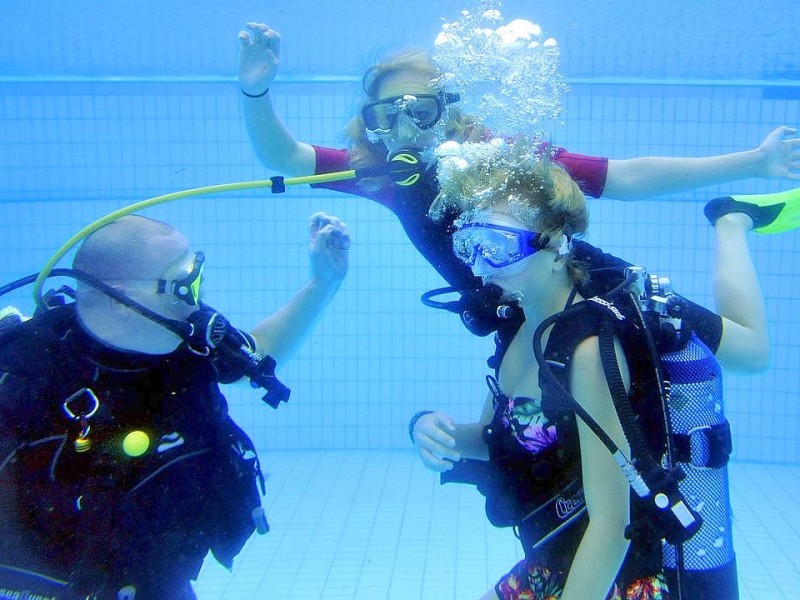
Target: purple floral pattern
523,416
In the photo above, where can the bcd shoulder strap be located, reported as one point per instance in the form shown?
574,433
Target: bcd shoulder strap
656,487
608,320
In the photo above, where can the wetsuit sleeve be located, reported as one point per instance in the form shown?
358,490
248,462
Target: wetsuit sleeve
706,324
589,172
331,160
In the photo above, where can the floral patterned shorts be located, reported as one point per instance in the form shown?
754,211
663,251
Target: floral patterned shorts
533,582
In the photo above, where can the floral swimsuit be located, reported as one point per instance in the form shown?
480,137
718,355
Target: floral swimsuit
528,580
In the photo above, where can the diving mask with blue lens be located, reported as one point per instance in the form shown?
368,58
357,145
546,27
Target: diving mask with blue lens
498,245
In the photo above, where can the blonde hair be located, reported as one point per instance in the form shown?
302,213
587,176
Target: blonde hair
363,153
535,190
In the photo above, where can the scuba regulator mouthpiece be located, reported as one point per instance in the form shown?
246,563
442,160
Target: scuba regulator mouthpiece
481,309
214,333
405,167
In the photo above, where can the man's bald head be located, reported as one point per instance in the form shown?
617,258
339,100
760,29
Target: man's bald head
132,247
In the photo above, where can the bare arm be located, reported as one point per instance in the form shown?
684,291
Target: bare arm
273,143
646,177
281,334
603,545
440,441
469,436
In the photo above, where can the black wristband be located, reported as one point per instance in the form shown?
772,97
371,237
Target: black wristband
413,422
261,95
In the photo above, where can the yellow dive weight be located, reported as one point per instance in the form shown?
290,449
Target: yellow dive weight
135,443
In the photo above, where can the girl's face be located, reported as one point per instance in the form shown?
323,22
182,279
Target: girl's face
409,101
501,250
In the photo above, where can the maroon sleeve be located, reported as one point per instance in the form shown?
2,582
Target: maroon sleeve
588,171
332,160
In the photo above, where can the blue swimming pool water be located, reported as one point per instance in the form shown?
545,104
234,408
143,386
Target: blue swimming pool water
104,105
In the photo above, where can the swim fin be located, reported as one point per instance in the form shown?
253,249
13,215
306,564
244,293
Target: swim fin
771,213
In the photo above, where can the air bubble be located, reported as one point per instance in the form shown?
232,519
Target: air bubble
505,73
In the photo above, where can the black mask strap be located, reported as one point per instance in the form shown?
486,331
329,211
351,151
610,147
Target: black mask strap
181,328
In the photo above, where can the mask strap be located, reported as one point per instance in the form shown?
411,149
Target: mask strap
180,328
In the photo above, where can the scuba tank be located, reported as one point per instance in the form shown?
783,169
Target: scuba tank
702,443
704,565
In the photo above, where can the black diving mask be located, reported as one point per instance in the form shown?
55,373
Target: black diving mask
425,110
187,288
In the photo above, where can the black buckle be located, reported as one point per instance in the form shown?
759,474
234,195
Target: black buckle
716,439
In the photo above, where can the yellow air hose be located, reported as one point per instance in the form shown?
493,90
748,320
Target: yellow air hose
192,193
403,168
